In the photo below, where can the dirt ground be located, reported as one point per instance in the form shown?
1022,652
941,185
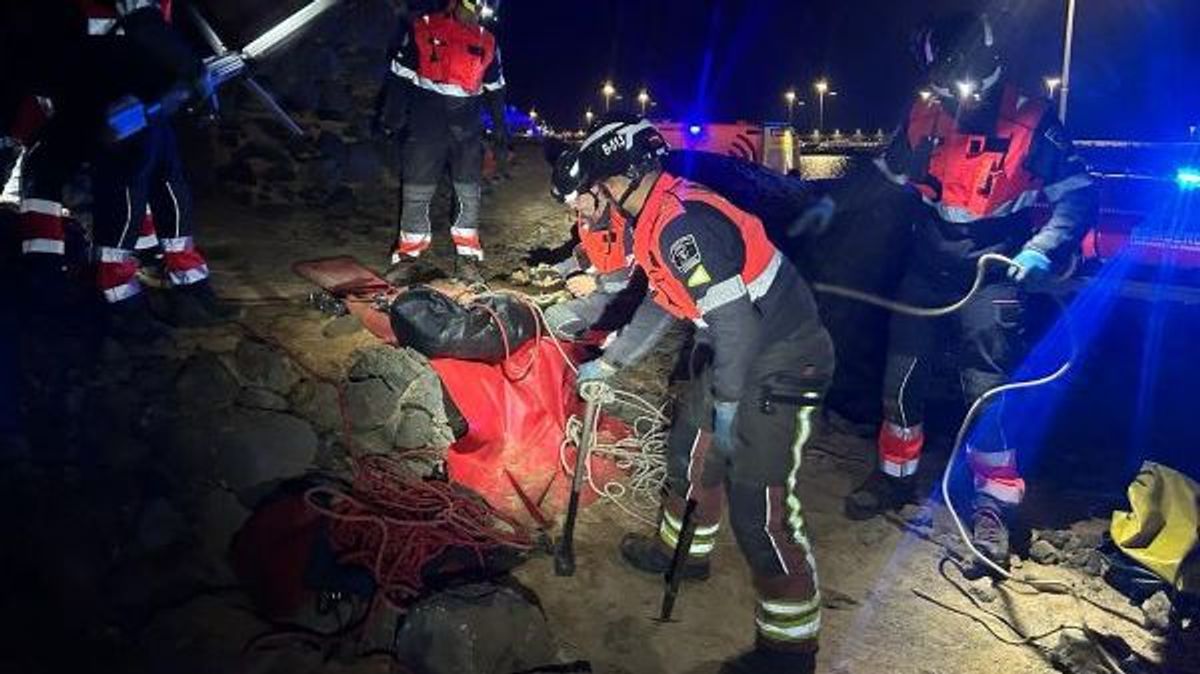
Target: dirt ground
870,573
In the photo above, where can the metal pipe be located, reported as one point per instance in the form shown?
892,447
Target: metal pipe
1069,41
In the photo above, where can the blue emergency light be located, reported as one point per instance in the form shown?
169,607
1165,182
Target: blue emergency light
1188,178
695,129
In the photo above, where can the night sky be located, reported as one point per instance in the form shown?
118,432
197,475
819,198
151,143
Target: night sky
1136,69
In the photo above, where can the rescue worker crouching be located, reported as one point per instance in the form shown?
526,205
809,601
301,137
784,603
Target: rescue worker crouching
441,66
979,154
760,370
600,266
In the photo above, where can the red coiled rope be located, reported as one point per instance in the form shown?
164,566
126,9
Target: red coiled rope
394,525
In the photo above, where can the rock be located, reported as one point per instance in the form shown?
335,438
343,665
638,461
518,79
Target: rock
253,448
205,384
268,152
256,398
318,402
1059,539
872,532
1157,612
397,367
334,102
476,629
983,589
370,403
342,326
160,526
1077,655
320,173
219,516
414,429
204,636
260,365
1043,552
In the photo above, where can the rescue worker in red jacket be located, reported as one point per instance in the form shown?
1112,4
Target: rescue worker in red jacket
761,367
600,266
979,154
441,65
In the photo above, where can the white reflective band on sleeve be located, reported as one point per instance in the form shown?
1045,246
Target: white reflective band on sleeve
428,84
469,251
899,469
100,26
114,255
189,276
42,207
960,215
49,246
898,178
146,242
123,292
1069,184
807,630
761,285
720,294
177,245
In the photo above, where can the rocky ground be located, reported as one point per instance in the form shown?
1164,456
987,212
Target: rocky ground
142,464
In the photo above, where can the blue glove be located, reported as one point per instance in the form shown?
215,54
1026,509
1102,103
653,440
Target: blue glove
1032,267
594,370
724,414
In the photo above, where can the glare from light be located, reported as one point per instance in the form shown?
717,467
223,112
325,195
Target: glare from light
487,12
695,129
643,96
925,95
1188,178
790,96
1053,83
821,86
533,114
609,89
965,88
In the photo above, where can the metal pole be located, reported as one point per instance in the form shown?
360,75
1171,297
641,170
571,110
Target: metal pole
821,117
1066,68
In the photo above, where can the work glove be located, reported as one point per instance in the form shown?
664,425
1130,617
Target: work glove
815,220
594,370
724,414
582,285
1032,267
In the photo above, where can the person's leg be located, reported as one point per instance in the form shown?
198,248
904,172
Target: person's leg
912,343
994,343
466,172
424,157
774,422
693,473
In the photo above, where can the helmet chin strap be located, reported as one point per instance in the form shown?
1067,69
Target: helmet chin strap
620,202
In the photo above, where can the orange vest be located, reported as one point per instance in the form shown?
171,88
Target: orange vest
605,248
666,202
453,53
980,176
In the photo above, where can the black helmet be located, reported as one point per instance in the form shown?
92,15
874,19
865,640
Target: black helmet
958,53
618,145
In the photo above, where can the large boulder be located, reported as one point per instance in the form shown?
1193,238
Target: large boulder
318,403
402,383
476,629
261,365
205,384
253,448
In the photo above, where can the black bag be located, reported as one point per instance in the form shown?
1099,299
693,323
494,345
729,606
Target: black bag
437,326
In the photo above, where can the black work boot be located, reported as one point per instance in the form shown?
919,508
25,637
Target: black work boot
989,530
467,269
401,269
763,660
131,323
649,554
197,305
879,494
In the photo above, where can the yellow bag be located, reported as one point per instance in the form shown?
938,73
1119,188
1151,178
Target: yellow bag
1162,533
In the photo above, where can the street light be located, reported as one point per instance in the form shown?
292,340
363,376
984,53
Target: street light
1068,41
1053,83
609,91
643,99
790,97
533,114
822,87
589,116
925,95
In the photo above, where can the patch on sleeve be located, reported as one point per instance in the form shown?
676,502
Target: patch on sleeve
699,277
685,254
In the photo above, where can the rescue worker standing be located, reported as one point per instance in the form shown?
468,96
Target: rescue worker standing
761,367
979,154
599,268
441,65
